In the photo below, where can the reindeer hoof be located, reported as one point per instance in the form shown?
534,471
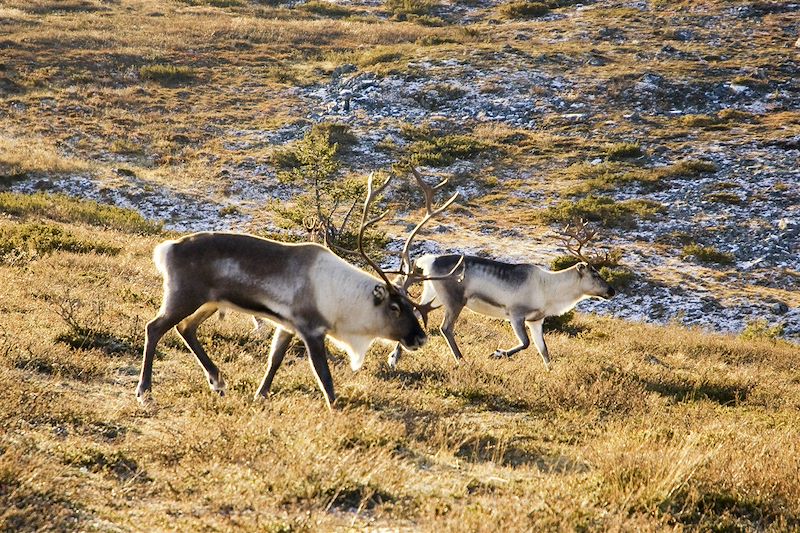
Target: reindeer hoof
498,354
144,397
218,385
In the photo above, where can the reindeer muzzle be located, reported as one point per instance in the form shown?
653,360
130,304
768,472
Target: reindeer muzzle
415,343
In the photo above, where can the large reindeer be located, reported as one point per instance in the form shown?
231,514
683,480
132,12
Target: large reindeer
523,294
305,289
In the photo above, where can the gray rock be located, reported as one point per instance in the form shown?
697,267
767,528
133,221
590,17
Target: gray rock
779,308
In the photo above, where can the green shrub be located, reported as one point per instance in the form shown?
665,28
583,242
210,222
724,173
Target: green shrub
734,115
760,329
620,151
698,121
559,323
414,132
30,241
380,55
707,254
328,207
444,151
326,9
687,168
610,259
618,278
602,209
563,262
284,158
401,9
167,74
724,197
66,209
523,9
338,134
426,20
725,116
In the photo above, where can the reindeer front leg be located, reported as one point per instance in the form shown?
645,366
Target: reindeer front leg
538,340
518,323
315,345
394,356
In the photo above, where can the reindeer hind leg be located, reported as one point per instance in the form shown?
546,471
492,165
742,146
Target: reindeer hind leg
168,317
277,350
187,329
518,324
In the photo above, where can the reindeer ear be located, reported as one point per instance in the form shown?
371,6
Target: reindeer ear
379,294
582,268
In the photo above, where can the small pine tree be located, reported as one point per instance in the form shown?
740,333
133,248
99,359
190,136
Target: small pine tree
329,207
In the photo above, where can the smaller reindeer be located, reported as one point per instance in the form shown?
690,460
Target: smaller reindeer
524,294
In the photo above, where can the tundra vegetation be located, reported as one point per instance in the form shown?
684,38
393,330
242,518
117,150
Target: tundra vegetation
637,427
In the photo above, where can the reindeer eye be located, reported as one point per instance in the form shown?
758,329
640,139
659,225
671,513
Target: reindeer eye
394,308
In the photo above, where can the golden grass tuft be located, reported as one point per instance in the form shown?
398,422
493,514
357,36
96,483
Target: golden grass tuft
21,156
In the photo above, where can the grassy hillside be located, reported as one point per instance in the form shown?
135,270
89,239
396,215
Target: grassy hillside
635,427
673,126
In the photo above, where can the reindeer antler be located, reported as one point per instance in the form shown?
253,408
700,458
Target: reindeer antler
406,265
372,193
575,236
407,271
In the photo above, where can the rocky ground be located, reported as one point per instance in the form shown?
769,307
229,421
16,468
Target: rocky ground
586,74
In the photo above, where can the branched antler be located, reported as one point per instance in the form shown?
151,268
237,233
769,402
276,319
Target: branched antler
408,273
372,193
575,236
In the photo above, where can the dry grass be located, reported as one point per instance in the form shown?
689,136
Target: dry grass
19,157
636,427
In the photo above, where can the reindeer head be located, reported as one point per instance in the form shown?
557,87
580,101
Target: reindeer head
574,237
592,283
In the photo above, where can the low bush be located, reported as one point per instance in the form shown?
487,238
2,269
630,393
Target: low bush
383,54
29,241
603,210
339,134
401,9
620,151
760,329
167,74
724,197
444,151
63,208
707,254
688,168
326,9
619,277
523,9
726,116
